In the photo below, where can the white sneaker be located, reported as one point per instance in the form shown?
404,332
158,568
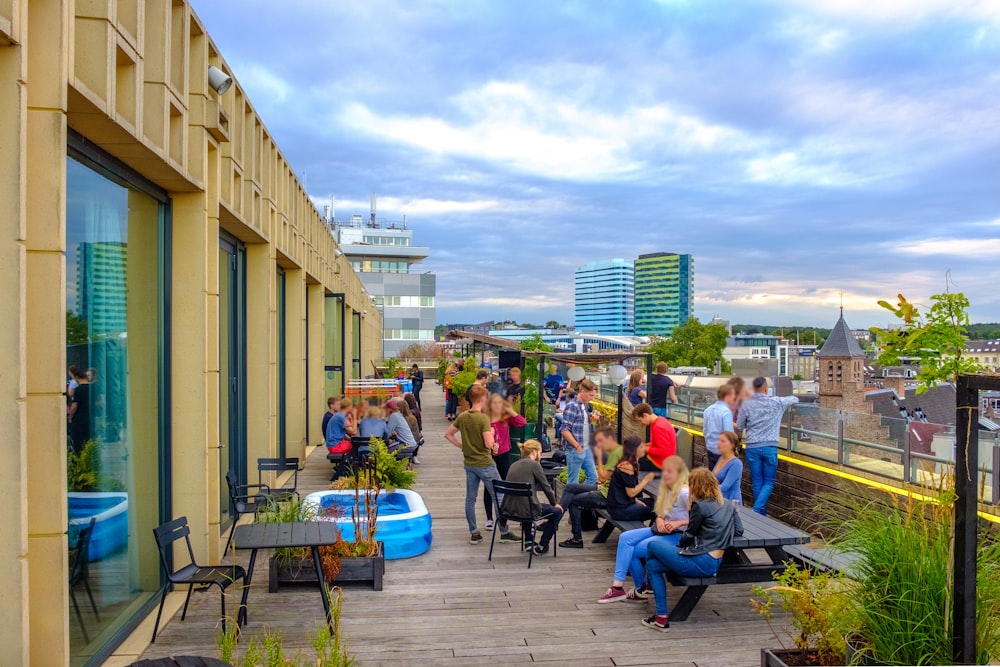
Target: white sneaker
489,524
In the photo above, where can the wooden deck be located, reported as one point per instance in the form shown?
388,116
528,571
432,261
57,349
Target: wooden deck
453,607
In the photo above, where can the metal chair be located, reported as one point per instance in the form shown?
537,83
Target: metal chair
278,466
245,499
191,573
79,573
529,525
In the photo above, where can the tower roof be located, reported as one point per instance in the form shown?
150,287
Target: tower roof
841,342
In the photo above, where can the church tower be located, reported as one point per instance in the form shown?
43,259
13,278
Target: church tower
842,370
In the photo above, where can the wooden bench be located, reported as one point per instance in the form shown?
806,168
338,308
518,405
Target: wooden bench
610,524
821,560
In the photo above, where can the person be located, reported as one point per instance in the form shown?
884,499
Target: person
340,428
718,419
477,445
373,424
400,435
662,436
514,392
636,390
712,525
759,420
741,393
624,503
553,385
451,399
332,406
728,470
502,418
577,497
482,375
71,382
411,401
661,389
417,378
411,421
671,511
79,422
527,470
576,432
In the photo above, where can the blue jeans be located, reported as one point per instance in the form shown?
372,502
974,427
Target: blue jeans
762,459
633,548
575,461
660,412
665,558
472,478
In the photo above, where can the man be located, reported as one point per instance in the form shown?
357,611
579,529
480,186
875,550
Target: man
332,407
340,429
553,385
662,436
577,497
718,419
417,378
481,376
662,388
760,418
527,470
478,447
400,434
576,433
514,391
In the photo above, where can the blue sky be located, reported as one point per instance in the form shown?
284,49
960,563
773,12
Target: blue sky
804,151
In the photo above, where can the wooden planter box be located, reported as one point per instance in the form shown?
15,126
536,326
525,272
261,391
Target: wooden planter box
786,657
365,568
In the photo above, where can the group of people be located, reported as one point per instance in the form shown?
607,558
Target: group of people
397,422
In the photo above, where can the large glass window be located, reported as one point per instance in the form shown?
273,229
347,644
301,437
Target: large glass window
116,346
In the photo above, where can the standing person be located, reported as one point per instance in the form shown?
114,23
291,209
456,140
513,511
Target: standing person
636,391
482,375
451,399
527,470
712,525
661,389
372,425
576,432
623,493
662,436
502,418
514,391
79,412
332,406
718,419
477,447
553,385
741,393
760,419
417,378
729,469
340,428
411,401
577,497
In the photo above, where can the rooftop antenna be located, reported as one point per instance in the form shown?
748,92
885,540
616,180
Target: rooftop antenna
333,214
371,221
841,303
404,221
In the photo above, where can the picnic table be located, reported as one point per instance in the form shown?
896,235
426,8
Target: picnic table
304,534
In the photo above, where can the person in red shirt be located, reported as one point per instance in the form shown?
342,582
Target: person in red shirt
662,437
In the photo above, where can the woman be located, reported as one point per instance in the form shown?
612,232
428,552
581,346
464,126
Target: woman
502,418
672,517
742,392
729,470
625,485
711,528
79,411
373,424
451,398
411,419
411,401
636,391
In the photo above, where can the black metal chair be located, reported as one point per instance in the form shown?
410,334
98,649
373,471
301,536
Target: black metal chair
278,466
344,464
529,525
79,573
245,499
191,573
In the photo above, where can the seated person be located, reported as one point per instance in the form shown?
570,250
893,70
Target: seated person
662,436
332,407
373,425
577,497
400,435
527,470
712,525
729,468
340,428
624,503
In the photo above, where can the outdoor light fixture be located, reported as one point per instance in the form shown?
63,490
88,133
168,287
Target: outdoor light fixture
338,253
218,80
576,373
618,374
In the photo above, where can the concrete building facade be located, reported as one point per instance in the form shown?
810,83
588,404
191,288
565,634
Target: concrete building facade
152,233
605,297
664,292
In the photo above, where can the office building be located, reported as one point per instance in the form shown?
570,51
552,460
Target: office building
664,292
385,257
101,269
605,293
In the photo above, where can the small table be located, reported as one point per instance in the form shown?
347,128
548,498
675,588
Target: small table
304,534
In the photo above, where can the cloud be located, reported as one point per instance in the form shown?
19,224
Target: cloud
903,11
952,246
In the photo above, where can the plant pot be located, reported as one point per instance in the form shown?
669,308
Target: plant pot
791,657
854,654
363,568
529,431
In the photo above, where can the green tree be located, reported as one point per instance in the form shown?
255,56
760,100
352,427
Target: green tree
530,375
692,344
77,330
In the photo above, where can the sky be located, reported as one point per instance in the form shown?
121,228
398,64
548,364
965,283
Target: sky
807,153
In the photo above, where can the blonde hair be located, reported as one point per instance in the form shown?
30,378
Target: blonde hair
667,497
529,446
704,486
374,412
635,379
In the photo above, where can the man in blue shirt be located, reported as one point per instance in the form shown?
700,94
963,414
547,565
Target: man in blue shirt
760,416
340,428
718,419
553,385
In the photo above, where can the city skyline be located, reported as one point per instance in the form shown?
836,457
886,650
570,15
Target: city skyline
807,152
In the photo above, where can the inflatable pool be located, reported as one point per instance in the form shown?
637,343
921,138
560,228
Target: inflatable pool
110,528
404,524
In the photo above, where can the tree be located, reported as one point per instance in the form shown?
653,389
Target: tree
530,376
692,344
77,330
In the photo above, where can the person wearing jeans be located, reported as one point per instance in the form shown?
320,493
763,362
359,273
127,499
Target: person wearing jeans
577,497
760,419
528,471
576,432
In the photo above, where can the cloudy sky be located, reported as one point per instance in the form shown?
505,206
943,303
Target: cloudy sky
804,151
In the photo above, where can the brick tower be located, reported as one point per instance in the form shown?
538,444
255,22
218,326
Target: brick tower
842,370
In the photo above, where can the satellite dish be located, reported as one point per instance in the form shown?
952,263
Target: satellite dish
576,373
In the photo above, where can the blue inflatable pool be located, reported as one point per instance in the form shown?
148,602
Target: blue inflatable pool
404,524
111,526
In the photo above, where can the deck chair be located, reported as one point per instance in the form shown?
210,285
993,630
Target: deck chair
278,466
79,560
191,573
529,525
245,499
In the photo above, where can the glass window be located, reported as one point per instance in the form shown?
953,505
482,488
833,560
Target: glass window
115,321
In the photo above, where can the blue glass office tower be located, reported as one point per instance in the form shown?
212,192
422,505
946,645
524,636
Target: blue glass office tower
604,297
664,292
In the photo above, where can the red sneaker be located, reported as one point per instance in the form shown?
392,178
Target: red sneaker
613,595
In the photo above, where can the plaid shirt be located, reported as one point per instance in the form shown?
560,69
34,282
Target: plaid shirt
577,421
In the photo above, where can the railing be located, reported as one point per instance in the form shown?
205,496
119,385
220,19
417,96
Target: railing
912,452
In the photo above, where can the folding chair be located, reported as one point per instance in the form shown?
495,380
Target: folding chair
278,466
529,525
191,573
79,573
245,499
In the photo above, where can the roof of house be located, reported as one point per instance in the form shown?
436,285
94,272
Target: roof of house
841,342
936,405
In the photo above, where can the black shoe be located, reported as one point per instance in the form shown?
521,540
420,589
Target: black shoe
572,543
541,550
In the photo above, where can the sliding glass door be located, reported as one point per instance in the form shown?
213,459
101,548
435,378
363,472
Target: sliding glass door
232,369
